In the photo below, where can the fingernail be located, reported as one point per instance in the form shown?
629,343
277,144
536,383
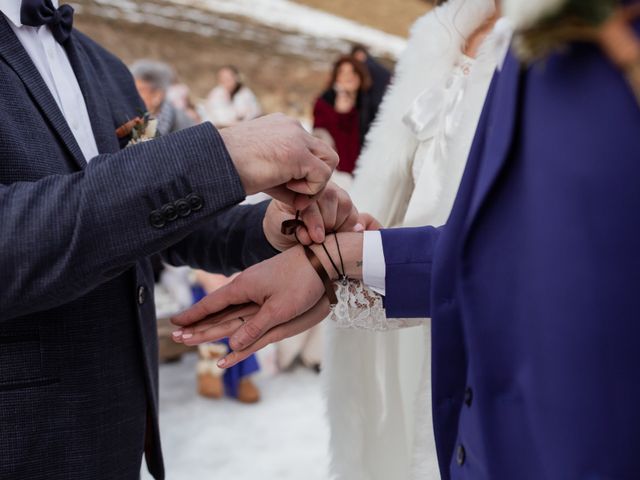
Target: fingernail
177,333
222,363
358,228
187,336
320,232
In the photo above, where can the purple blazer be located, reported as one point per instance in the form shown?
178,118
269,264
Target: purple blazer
534,283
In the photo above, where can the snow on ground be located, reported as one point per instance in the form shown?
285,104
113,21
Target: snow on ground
284,437
300,18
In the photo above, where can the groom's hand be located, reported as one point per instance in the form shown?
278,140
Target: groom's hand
331,211
274,154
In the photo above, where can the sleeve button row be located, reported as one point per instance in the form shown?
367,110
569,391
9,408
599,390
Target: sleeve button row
180,208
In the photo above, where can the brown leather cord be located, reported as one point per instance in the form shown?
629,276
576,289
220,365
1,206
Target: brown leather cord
333,264
290,227
343,275
322,273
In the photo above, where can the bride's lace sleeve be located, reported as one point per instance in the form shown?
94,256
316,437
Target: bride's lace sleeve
362,308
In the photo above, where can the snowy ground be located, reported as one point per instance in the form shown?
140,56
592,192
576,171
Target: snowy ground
283,437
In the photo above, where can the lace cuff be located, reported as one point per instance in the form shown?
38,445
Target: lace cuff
359,307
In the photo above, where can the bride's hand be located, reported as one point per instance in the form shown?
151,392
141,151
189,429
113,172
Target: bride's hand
273,300
225,324
367,222
256,302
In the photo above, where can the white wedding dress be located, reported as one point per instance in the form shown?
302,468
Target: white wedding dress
377,370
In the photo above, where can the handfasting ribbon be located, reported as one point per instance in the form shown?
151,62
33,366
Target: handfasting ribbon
322,273
290,227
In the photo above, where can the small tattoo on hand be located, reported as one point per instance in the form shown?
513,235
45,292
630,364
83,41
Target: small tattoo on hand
359,263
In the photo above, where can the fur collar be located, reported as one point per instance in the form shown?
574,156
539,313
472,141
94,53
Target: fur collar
436,42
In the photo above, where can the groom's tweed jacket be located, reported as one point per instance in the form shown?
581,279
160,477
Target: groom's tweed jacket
78,347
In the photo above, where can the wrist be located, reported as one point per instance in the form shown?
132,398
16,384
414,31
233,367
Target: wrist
351,250
268,228
231,144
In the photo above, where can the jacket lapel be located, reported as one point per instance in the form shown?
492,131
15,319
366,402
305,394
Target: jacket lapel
95,100
18,59
500,135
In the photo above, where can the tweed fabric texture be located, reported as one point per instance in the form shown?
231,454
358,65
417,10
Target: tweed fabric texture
78,342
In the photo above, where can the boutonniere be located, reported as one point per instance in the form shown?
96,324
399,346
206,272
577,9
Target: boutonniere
139,129
545,26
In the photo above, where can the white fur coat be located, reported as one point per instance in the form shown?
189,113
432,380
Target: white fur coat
378,384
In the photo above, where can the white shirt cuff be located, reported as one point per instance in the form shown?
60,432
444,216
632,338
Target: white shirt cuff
374,268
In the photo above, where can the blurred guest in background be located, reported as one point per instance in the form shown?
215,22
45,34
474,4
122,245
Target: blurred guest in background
153,80
342,114
380,77
179,94
231,101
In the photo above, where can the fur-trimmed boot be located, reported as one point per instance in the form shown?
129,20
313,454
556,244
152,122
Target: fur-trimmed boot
210,382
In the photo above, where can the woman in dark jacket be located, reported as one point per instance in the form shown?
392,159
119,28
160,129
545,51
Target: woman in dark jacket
342,114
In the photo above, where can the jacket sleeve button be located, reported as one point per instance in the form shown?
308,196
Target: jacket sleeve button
157,219
195,201
183,208
169,212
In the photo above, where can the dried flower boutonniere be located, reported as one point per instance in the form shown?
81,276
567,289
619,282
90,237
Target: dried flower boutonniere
139,129
545,26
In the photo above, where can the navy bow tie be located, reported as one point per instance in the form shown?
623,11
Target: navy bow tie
36,13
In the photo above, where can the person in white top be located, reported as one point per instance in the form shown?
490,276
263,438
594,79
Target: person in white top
231,102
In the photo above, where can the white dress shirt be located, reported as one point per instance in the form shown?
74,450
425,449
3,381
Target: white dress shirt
53,64
374,267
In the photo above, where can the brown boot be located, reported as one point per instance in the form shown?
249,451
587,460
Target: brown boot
210,386
210,383
248,392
